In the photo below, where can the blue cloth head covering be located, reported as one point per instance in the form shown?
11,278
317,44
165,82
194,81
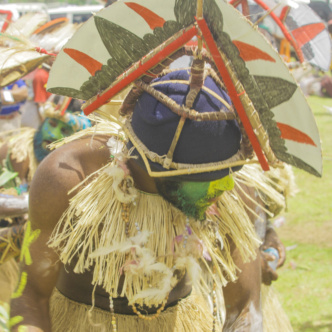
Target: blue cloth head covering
200,142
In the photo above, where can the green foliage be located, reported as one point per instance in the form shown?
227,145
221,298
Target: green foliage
305,280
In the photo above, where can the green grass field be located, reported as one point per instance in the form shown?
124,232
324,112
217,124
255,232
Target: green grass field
305,281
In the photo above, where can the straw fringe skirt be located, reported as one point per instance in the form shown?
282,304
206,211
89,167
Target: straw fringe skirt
274,316
9,272
189,315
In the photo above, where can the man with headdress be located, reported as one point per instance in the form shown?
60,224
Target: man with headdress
143,225
20,155
151,239
12,97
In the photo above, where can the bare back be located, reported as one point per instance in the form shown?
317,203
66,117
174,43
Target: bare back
61,171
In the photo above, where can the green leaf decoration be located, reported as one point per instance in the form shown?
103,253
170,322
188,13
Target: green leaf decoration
15,320
121,44
7,176
213,16
275,90
68,92
171,27
185,12
30,236
125,49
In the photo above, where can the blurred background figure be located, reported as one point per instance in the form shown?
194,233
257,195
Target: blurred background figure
20,156
12,97
323,10
37,81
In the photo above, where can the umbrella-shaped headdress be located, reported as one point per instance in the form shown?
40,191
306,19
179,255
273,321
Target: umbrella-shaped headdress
131,42
300,25
29,42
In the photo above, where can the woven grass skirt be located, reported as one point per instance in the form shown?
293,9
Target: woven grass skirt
189,315
274,317
9,272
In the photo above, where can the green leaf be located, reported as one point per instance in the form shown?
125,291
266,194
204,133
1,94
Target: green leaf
275,90
7,176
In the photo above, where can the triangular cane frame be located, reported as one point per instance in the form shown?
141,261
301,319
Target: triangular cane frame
200,29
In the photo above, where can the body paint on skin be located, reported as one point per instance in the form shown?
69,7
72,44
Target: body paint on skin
6,323
21,285
29,238
193,198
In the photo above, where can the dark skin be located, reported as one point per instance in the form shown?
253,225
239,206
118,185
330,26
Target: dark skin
271,240
57,174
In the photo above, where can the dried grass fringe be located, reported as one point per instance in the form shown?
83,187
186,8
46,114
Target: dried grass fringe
9,273
274,186
274,316
21,147
93,221
190,314
87,226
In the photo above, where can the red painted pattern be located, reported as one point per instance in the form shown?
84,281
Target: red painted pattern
90,64
8,19
308,32
293,134
51,24
149,16
250,53
283,29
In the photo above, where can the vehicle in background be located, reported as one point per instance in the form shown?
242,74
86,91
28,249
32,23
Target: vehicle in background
75,14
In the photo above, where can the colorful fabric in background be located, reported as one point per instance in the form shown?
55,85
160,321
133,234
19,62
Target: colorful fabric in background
9,109
39,85
77,121
311,35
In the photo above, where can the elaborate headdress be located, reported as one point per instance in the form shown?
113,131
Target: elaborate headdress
132,42
29,42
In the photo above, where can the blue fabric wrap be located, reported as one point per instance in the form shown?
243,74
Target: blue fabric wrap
200,141
8,109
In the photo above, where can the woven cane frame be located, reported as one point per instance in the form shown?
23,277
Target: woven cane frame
184,111
181,168
253,116
211,92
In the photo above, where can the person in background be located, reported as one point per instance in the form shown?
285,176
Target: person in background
12,97
19,156
39,85
324,11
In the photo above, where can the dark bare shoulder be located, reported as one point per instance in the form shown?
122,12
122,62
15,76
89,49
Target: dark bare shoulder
59,172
